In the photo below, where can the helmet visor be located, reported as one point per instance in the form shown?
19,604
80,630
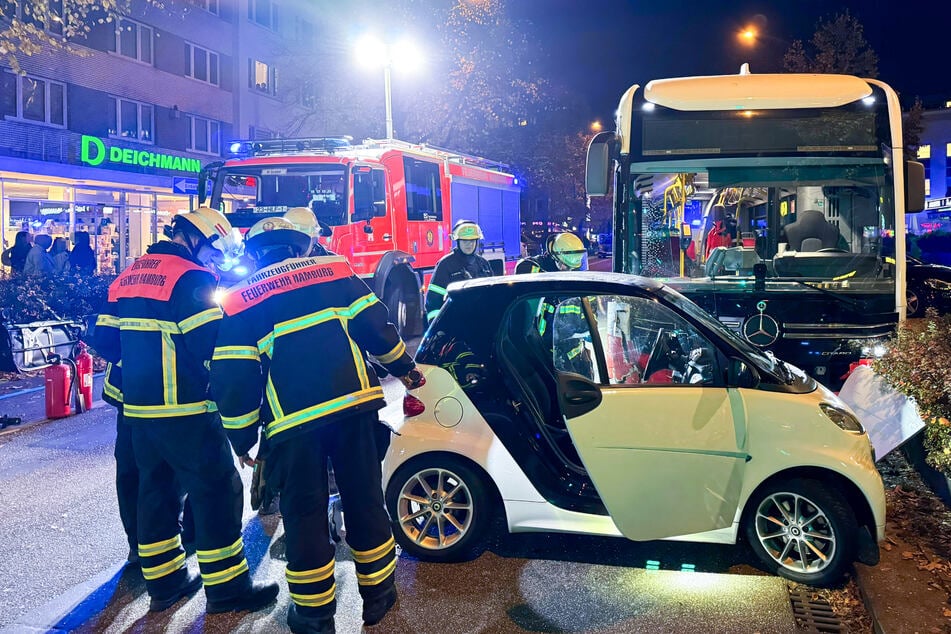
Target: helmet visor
571,259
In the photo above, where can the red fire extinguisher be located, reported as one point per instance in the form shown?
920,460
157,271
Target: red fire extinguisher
58,389
83,379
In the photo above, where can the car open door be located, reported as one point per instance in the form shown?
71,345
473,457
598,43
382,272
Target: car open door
665,449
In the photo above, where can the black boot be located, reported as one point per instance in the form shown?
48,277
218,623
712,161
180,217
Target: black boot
257,597
301,624
191,585
375,609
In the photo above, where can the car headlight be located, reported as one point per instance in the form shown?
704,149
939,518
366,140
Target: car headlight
842,418
938,285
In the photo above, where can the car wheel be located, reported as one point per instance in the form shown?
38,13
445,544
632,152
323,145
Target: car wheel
802,530
914,304
440,509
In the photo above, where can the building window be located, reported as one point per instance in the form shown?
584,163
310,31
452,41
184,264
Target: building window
204,135
264,12
262,77
131,120
924,151
201,64
48,17
211,6
35,99
133,40
304,31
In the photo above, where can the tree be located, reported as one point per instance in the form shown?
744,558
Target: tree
912,127
27,28
837,46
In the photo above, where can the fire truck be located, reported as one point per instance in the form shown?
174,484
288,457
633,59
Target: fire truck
388,206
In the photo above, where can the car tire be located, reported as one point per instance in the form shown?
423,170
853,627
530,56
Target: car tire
457,528
800,513
914,303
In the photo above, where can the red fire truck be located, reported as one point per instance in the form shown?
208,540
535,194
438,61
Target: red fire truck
387,205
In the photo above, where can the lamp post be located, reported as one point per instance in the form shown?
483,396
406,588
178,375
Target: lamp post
374,52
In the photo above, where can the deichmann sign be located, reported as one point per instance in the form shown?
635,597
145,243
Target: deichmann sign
94,152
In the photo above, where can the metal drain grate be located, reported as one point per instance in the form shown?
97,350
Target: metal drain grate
814,614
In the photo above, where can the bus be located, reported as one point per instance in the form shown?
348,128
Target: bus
774,201
388,206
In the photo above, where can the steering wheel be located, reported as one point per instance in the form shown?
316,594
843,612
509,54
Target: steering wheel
832,250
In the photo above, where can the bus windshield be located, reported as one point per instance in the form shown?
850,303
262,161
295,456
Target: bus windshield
259,191
822,221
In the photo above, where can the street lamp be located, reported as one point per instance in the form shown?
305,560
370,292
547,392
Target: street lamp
747,36
596,126
372,51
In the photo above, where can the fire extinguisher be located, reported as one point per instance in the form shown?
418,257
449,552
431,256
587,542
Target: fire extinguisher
59,387
83,379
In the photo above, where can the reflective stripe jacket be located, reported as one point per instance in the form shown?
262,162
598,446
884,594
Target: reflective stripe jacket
455,266
291,349
112,384
539,264
161,322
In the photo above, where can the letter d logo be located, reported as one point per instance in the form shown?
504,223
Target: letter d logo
86,156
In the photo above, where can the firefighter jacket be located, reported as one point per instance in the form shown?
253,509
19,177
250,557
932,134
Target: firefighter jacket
291,350
455,266
161,322
112,384
539,264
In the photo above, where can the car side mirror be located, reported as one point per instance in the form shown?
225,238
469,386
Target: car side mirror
741,374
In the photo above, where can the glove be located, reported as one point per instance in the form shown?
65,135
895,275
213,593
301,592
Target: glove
413,379
243,440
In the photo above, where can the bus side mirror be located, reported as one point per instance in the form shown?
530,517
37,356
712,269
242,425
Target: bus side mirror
597,171
741,374
202,187
914,187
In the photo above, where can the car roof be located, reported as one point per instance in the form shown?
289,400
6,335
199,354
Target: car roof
559,281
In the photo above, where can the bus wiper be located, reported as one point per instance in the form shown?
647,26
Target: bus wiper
854,303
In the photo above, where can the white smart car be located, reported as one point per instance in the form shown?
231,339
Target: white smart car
606,404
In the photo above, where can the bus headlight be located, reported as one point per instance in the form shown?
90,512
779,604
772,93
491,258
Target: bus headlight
842,418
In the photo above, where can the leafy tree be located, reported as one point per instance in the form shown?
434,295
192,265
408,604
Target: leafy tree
27,28
837,46
912,127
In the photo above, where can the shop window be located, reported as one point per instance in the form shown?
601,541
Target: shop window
423,190
133,40
34,99
131,120
201,64
262,77
264,13
204,135
924,152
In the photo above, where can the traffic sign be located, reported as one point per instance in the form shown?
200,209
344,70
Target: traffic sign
184,185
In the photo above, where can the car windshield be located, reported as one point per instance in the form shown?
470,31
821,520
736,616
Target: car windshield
269,190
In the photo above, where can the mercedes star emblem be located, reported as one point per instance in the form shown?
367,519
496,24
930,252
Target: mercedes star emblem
761,330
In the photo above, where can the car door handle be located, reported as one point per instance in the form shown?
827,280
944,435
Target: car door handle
387,236
583,397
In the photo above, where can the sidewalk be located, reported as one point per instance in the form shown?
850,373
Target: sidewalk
26,399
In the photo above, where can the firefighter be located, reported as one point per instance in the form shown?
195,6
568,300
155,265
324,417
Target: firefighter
462,263
161,323
305,221
290,358
565,253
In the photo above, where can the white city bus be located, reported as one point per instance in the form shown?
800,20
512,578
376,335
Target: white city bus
775,201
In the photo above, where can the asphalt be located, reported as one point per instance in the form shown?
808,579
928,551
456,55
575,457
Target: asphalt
62,552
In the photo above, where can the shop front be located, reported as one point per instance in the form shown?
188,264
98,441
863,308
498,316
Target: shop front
121,197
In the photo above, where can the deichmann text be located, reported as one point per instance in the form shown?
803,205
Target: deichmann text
93,152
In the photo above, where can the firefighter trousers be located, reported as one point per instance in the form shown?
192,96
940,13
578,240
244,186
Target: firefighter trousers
190,453
299,469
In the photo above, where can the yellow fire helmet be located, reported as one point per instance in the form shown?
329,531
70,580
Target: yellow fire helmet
466,230
217,230
276,231
304,220
568,249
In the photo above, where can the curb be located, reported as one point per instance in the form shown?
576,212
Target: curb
869,607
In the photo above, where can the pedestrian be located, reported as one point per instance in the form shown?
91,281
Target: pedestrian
565,252
39,262
462,263
290,358
161,322
15,256
60,255
82,258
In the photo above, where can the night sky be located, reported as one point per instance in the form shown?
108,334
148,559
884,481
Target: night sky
601,47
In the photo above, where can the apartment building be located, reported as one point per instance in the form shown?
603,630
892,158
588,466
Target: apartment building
110,138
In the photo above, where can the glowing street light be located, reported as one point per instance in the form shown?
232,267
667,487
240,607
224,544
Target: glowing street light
747,36
404,54
596,126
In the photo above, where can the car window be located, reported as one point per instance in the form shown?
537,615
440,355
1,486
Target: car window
572,346
647,344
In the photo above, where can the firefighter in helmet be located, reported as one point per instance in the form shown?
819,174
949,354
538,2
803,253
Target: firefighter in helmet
161,322
462,263
565,252
297,310
305,221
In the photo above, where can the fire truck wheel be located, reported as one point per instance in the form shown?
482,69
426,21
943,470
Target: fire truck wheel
395,299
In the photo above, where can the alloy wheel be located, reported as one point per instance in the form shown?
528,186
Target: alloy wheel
911,302
435,508
795,532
